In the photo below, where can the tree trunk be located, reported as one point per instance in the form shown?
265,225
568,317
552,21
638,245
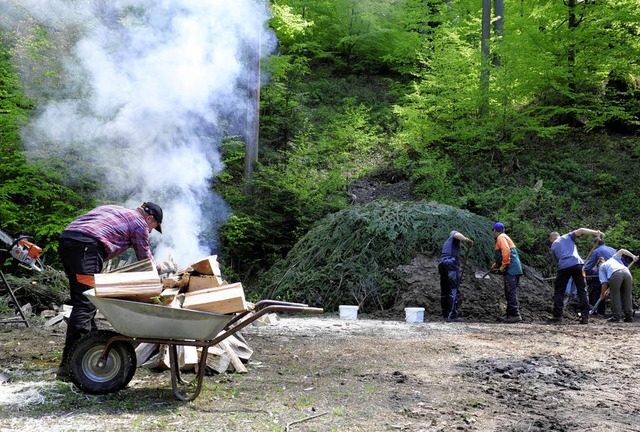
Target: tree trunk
498,27
484,48
252,133
571,51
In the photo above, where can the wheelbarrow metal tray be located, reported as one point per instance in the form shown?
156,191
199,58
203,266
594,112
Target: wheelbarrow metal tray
146,320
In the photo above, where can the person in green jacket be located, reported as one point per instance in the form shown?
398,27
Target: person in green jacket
507,262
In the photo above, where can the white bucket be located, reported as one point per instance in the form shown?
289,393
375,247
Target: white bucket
414,315
348,312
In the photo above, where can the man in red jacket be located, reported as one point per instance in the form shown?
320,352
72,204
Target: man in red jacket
507,262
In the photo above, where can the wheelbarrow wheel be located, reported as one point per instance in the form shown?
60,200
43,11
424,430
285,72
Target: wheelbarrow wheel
92,377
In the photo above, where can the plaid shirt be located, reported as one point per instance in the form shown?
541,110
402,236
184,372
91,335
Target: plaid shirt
117,229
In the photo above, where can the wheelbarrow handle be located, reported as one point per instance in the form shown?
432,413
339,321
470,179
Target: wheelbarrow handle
264,303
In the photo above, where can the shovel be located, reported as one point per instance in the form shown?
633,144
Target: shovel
482,275
464,263
595,306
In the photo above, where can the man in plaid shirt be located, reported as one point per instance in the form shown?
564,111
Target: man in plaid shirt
86,243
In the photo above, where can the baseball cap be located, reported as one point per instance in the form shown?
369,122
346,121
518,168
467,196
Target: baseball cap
155,211
498,226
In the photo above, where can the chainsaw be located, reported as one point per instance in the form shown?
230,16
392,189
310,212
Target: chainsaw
24,251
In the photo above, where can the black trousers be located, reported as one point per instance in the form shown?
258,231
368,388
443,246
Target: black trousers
79,258
562,278
450,296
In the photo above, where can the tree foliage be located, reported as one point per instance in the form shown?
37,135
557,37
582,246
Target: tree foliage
550,142
33,200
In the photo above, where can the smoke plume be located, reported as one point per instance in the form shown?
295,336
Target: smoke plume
147,88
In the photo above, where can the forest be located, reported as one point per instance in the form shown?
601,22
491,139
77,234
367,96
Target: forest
381,126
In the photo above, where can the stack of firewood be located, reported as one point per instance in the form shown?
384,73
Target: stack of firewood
230,355
198,287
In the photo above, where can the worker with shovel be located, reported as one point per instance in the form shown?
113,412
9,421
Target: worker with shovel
599,250
449,269
570,264
507,262
616,278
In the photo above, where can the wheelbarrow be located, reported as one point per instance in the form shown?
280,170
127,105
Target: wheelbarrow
104,361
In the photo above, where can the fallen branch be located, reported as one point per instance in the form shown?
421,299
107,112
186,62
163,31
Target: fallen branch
303,420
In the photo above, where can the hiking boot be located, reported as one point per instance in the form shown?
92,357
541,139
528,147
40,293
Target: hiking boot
584,319
628,319
62,374
513,319
613,319
554,320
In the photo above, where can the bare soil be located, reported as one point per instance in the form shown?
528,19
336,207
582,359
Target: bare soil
377,373
321,373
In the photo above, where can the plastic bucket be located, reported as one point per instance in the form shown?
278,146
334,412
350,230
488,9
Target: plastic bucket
348,312
414,315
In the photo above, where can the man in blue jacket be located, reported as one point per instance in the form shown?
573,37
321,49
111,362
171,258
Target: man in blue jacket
570,265
605,252
449,269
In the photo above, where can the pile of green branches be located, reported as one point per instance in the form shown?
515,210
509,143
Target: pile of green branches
42,290
351,257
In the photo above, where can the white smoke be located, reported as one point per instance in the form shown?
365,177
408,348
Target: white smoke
149,85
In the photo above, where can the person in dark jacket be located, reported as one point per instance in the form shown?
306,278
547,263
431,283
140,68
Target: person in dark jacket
449,270
507,262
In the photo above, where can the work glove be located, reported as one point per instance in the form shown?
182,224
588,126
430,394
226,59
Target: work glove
167,267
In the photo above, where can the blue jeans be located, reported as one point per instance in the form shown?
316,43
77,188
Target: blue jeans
511,294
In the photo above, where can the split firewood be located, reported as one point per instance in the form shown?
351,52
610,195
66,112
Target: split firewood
240,348
235,360
138,266
266,319
167,296
217,359
188,357
197,283
144,351
223,300
208,266
139,285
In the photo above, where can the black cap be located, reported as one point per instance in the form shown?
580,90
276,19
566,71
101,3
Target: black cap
155,211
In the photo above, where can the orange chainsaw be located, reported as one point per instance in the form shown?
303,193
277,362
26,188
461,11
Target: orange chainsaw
23,250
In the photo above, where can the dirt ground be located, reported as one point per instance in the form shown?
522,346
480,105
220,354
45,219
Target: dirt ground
321,373
377,373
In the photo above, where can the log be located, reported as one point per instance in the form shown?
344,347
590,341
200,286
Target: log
188,357
168,295
223,300
240,348
144,351
138,285
235,360
146,265
208,266
265,320
197,283
217,359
